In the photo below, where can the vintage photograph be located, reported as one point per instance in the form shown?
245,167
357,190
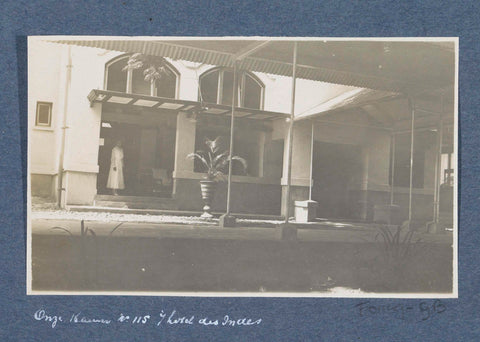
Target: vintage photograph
242,166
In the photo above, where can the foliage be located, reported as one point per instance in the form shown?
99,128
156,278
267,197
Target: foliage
397,245
154,66
214,160
84,230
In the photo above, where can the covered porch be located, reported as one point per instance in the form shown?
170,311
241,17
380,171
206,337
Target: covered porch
403,89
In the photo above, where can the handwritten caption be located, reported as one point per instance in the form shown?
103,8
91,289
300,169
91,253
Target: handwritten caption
171,318
419,312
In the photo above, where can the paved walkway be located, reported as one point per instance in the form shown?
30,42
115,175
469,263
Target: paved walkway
330,231
46,219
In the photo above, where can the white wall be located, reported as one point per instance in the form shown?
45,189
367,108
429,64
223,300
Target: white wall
44,80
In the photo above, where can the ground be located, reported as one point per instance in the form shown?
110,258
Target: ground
161,253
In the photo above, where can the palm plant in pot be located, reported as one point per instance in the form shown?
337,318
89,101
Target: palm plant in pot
215,162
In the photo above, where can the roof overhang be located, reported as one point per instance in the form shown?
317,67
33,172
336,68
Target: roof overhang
407,66
174,105
349,100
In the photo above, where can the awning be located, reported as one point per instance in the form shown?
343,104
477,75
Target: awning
412,66
348,100
169,104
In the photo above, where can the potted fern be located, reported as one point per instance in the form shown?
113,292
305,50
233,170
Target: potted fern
215,162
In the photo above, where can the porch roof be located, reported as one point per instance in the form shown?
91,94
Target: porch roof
191,107
351,99
407,66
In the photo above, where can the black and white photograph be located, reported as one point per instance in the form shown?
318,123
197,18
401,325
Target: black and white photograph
242,166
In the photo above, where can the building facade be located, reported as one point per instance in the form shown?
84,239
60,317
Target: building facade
360,157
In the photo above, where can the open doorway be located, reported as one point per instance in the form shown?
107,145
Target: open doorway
148,152
335,168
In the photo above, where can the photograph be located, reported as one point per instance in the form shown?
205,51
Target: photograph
242,166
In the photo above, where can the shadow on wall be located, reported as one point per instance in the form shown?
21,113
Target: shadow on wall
246,197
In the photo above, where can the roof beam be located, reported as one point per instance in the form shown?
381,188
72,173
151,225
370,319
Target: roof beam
250,49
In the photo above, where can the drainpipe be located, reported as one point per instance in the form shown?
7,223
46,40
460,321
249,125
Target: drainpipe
290,135
60,185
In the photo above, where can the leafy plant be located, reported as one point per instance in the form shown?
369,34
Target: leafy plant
396,245
155,67
215,161
84,231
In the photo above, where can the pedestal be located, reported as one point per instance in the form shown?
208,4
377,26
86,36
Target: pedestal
305,211
227,221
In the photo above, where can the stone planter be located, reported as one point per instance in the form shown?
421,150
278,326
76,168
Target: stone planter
208,191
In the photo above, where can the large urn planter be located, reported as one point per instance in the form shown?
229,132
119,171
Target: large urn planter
208,192
215,161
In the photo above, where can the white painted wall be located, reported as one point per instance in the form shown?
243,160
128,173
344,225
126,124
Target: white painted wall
44,79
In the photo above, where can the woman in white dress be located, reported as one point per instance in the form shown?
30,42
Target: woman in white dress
115,176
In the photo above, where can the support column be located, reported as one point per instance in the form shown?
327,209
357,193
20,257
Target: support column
184,144
311,161
434,227
290,135
286,231
227,220
392,172
412,140
306,211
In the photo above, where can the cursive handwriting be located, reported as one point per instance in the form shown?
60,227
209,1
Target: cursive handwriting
79,318
421,311
164,318
41,315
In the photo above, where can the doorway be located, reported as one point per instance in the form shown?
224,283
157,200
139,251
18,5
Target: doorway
335,168
149,152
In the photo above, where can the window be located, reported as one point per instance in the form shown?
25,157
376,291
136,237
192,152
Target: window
246,145
44,114
133,81
216,86
448,169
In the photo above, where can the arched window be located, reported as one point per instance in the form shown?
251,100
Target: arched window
133,80
216,86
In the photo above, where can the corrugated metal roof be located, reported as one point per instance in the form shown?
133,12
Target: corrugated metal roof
387,66
350,99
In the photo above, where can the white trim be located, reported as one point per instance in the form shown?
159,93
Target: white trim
43,170
43,129
235,179
84,168
241,88
297,182
129,82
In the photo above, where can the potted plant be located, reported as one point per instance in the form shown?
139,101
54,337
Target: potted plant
215,162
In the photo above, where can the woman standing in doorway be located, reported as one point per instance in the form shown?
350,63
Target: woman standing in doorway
115,176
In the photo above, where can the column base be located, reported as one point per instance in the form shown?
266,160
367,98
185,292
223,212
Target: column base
227,221
286,232
435,227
